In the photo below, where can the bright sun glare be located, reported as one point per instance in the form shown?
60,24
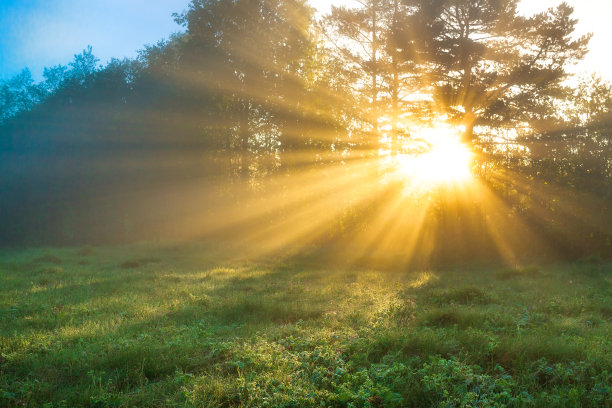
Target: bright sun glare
446,161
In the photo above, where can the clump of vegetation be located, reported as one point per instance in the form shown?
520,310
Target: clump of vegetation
463,295
518,272
47,258
403,312
86,251
49,272
137,263
43,281
592,259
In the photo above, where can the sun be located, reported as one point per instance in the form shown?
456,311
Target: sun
444,159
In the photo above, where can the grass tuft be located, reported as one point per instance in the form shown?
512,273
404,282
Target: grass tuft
47,258
462,295
522,272
137,263
85,251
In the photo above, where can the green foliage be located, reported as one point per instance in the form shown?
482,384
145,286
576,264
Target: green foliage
195,328
253,91
18,94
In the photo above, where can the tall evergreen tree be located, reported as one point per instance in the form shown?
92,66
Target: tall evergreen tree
489,65
19,94
358,35
252,54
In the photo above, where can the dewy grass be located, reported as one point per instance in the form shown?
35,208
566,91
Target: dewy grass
186,326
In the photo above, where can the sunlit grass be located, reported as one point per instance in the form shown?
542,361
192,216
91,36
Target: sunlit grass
193,326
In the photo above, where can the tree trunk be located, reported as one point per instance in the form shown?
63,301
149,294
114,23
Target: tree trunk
244,133
468,122
394,92
375,70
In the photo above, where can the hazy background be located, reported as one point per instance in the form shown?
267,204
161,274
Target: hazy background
39,33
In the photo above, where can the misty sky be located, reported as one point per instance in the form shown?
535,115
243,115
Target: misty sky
39,33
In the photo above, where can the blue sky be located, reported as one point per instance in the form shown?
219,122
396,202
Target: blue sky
39,33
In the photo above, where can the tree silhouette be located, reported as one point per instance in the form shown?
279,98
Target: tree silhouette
488,65
255,91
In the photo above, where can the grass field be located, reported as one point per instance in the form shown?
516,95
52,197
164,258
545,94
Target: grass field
159,325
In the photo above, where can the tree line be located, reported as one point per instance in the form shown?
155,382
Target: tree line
258,89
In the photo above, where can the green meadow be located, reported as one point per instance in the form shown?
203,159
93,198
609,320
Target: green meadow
186,325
